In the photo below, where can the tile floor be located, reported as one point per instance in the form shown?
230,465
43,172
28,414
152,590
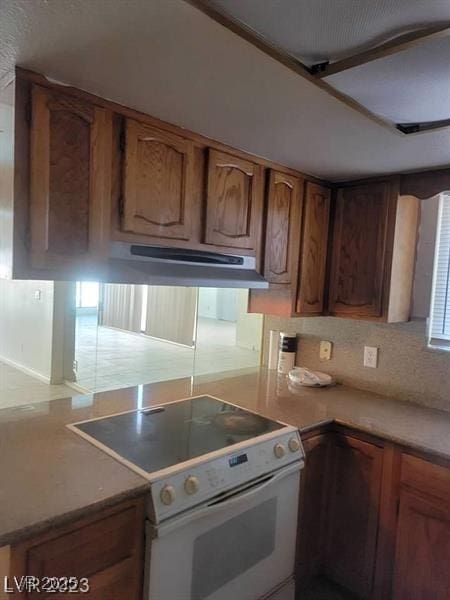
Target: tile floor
18,388
109,358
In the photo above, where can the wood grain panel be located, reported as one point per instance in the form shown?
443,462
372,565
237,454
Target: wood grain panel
158,183
70,182
283,228
234,202
359,250
423,548
106,548
313,504
353,515
311,282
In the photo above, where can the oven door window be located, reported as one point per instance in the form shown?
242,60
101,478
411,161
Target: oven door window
225,552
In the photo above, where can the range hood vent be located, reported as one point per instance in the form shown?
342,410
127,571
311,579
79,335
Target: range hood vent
158,265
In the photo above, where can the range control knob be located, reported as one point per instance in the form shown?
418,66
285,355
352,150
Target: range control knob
294,444
191,485
167,494
279,450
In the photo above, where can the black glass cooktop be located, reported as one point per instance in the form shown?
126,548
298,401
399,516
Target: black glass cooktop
160,437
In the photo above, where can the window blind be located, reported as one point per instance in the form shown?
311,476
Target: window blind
440,304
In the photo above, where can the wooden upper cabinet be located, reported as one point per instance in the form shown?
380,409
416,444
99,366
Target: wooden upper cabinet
283,228
70,180
359,249
313,257
157,183
373,252
234,204
354,500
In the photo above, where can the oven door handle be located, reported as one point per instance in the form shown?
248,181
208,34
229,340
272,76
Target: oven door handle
216,506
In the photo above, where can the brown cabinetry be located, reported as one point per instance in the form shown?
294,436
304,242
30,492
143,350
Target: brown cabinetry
70,174
158,174
107,549
422,556
374,519
313,505
311,280
372,256
354,500
296,249
234,203
284,213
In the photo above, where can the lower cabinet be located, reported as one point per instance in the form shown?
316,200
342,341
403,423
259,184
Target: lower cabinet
422,558
354,499
343,533
106,549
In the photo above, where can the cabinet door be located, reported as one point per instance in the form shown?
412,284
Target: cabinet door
311,283
234,202
70,180
423,549
353,514
359,252
158,183
283,228
314,484
106,549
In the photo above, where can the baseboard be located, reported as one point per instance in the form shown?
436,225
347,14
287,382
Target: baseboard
77,387
26,370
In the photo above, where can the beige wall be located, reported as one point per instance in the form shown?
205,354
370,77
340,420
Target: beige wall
249,326
26,325
407,370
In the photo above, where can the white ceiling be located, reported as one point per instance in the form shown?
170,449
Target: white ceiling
411,86
318,30
168,59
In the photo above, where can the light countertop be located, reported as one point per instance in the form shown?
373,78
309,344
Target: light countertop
49,475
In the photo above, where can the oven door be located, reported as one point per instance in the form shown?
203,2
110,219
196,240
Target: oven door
240,546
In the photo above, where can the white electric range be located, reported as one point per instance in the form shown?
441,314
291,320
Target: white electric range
222,510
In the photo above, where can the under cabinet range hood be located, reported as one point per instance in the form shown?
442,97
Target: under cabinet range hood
158,265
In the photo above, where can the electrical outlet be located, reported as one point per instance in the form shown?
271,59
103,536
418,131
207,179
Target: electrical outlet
370,357
75,365
325,350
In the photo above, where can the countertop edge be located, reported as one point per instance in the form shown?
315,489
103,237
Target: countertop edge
13,537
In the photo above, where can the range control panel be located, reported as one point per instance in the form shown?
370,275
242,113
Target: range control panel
177,490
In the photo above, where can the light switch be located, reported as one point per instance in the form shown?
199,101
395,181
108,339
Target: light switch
38,295
370,357
325,350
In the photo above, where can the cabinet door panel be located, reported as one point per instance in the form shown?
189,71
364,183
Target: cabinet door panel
423,548
353,514
311,284
234,202
314,488
158,179
283,228
69,180
359,250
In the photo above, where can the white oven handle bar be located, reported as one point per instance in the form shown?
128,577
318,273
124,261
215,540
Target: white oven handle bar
217,506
